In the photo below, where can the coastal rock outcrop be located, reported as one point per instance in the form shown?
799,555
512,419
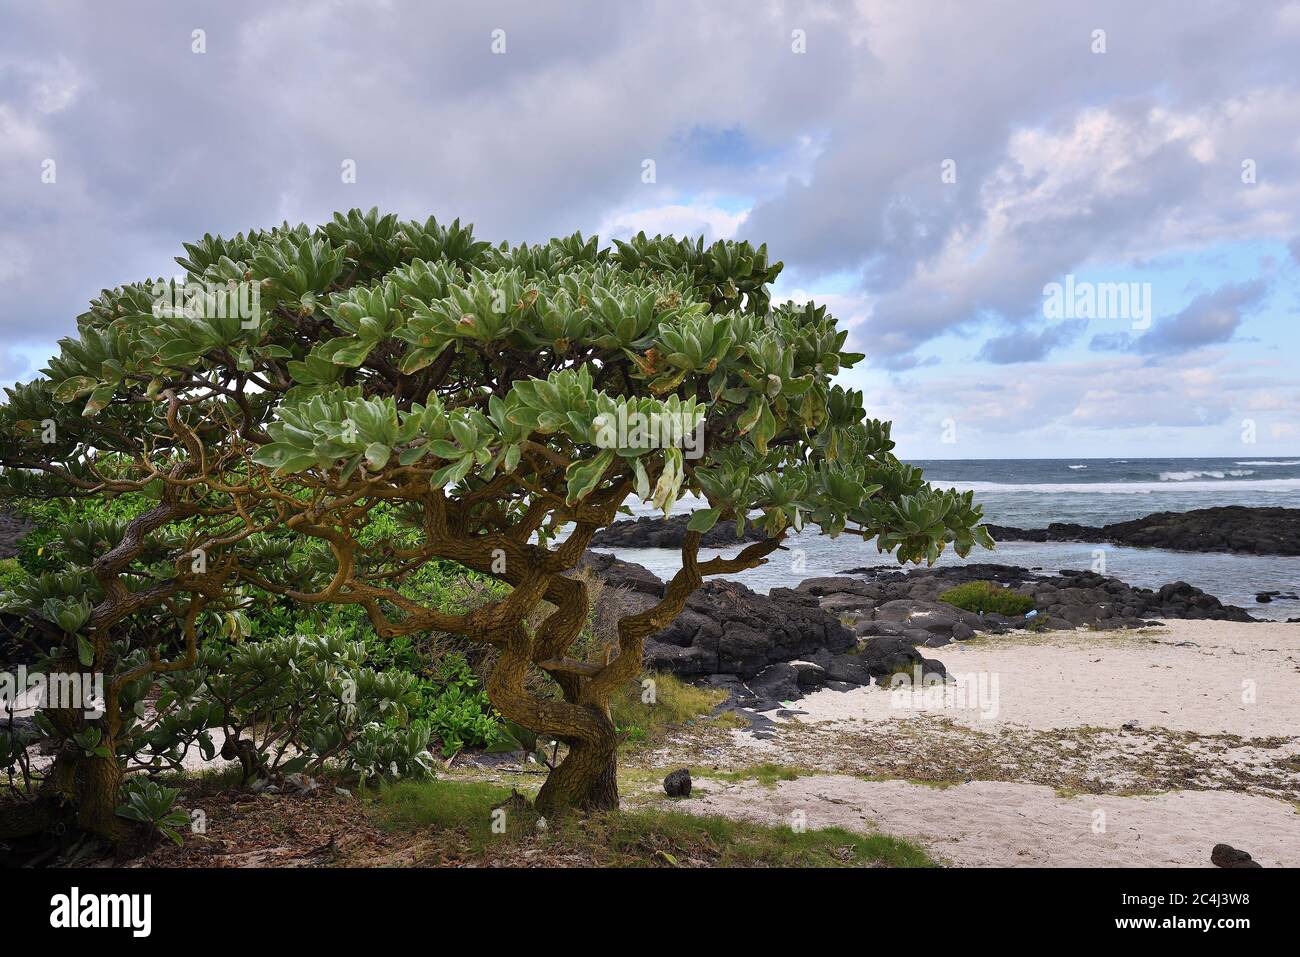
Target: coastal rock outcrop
1224,528
652,532
905,604
764,648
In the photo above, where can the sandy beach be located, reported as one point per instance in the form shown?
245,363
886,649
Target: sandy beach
1070,749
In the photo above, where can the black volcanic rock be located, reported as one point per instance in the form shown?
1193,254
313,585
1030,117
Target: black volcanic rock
12,528
651,532
620,574
907,602
763,648
1224,528
1225,855
726,628
678,783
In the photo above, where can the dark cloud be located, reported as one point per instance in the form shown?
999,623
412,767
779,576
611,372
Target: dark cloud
1209,319
1065,160
155,145
1024,346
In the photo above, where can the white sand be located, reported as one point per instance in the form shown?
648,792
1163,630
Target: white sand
1103,679
1192,678
995,823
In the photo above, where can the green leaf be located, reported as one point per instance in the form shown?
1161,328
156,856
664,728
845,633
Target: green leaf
586,475
99,400
284,458
377,455
85,651
749,418
512,457
412,455
704,519
69,389
178,352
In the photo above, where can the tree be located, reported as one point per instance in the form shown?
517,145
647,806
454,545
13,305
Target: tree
507,401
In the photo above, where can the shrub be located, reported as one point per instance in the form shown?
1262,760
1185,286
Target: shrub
457,707
154,805
12,574
285,705
986,596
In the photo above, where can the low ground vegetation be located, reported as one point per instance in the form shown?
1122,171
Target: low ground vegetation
988,597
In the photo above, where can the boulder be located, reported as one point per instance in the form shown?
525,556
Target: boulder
728,629
774,684
678,783
1225,855
838,585
617,573
841,603
652,532
884,656
13,527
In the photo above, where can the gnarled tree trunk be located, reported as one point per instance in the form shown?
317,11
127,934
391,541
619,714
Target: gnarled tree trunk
586,779
97,781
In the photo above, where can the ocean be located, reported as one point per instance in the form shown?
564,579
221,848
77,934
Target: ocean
1030,493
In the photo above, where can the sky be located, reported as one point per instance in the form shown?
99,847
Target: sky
930,170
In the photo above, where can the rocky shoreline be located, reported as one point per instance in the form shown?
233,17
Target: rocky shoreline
865,625
1225,528
1228,528
651,532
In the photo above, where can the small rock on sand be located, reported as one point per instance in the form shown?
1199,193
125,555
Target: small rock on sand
678,783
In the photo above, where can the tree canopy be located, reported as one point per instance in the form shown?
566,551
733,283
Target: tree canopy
505,401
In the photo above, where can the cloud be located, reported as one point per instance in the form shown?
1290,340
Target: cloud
12,366
681,219
156,145
1065,160
1101,406
1030,347
1211,318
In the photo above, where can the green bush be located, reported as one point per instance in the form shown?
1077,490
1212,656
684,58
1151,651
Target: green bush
285,705
458,710
11,574
153,805
40,550
988,597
